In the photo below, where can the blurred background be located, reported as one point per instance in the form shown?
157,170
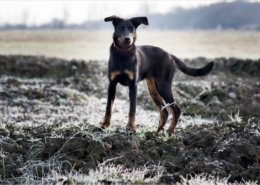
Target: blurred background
76,29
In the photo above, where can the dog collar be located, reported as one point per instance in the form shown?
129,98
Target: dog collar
122,49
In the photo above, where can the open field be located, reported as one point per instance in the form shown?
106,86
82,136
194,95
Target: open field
94,45
51,110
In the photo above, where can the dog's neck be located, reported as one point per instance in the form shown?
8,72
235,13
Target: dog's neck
122,49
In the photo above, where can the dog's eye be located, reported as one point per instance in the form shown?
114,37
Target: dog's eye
130,28
122,28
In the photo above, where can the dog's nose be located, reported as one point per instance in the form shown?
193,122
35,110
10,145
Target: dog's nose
127,39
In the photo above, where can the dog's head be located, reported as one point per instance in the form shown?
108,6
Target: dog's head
125,30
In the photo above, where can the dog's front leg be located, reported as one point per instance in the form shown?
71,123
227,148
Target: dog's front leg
110,102
132,98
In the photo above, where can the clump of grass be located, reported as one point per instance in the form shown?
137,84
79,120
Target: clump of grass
34,170
95,136
194,120
205,179
107,174
2,126
236,118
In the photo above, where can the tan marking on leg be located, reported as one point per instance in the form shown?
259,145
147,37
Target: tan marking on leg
162,122
158,102
172,126
130,74
107,118
114,74
131,122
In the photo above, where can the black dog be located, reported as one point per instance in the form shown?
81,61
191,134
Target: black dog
128,64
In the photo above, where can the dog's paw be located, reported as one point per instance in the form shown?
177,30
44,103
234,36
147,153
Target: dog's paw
158,130
104,125
130,129
170,132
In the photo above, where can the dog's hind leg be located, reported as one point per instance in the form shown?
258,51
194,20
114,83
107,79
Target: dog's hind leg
158,102
164,89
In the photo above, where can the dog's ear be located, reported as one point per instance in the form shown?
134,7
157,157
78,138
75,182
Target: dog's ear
114,19
139,20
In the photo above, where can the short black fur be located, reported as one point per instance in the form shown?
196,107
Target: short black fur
128,64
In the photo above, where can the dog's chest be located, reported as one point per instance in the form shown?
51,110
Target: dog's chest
123,77
124,74
122,69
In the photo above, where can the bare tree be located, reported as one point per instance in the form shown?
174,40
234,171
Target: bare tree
91,11
145,8
65,15
25,15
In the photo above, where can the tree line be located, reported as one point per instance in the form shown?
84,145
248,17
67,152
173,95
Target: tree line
237,15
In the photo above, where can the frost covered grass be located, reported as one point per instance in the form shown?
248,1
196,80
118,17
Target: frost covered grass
54,104
194,120
110,174
50,171
236,117
205,179
62,108
107,174
43,103
34,170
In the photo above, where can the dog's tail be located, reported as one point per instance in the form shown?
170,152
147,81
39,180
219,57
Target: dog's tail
192,71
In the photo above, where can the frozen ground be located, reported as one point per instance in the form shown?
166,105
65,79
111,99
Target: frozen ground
51,110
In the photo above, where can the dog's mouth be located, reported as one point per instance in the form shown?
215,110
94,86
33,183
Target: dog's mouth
125,43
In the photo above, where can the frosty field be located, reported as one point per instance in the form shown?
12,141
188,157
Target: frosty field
53,89
51,109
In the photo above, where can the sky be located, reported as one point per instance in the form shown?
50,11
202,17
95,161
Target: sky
38,12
